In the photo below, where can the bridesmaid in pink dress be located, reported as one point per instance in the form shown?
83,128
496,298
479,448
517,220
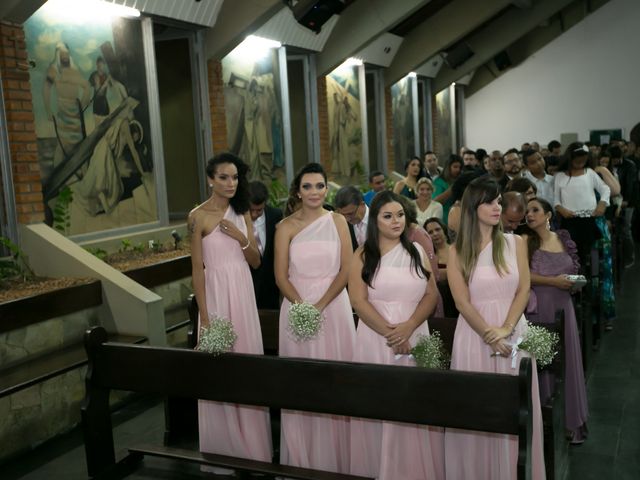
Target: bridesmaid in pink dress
488,273
312,253
393,292
222,248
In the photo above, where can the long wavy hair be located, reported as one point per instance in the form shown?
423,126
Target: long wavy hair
240,201
533,239
371,250
293,202
469,240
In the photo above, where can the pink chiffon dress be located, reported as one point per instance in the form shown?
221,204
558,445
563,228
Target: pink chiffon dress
480,455
225,428
313,440
392,450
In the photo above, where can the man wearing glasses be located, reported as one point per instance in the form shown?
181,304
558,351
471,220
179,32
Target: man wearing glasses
350,203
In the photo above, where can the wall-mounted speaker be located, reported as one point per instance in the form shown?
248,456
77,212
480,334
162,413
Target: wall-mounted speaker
502,61
457,55
313,14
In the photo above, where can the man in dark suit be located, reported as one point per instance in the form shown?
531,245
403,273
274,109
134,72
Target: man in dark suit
264,220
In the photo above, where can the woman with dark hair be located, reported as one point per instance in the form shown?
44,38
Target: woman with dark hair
393,293
489,278
552,256
312,255
222,248
574,193
407,186
439,236
442,185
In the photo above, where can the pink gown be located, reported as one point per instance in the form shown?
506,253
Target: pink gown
482,455
225,428
391,450
313,440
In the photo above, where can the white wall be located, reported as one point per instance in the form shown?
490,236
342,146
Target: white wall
586,79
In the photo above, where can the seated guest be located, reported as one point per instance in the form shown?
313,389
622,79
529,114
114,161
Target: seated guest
407,186
552,256
393,292
514,207
431,167
524,186
536,173
512,166
552,163
442,184
555,148
376,184
470,160
457,190
264,218
425,206
438,233
350,203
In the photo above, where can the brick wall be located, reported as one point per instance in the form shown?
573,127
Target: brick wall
323,123
20,124
216,107
388,113
435,127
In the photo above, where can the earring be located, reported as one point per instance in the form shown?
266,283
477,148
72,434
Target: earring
548,225
211,185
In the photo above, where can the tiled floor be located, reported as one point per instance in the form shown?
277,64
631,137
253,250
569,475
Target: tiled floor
612,450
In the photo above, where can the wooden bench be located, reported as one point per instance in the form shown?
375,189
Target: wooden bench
500,403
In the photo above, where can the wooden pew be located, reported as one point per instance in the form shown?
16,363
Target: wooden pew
500,403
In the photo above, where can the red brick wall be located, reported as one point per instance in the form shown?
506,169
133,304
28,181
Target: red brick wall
216,107
20,124
388,113
323,123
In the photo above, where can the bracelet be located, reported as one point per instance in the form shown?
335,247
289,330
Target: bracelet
247,245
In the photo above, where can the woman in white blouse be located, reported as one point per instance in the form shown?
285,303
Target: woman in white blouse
575,187
426,207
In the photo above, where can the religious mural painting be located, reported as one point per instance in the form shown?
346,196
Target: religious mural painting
403,131
92,119
253,110
444,133
345,125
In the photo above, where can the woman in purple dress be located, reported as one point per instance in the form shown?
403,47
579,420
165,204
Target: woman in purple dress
552,256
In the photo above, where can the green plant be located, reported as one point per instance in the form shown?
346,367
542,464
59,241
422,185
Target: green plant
97,252
154,245
125,245
278,194
139,247
17,265
61,211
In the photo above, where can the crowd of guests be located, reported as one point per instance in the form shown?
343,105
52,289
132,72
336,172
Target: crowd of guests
487,238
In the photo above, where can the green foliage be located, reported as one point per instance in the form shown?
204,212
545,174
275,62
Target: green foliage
16,265
61,211
97,252
331,196
278,194
154,245
125,245
139,248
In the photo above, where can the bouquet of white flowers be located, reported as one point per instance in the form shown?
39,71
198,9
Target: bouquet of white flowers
305,321
540,343
217,337
429,352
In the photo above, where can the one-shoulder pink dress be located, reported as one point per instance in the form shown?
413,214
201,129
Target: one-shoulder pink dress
313,440
392,450
480,455
225,428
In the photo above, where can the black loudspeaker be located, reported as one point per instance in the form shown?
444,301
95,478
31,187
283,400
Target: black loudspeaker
502,61
313,14
457,55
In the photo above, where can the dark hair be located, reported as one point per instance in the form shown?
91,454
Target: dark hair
462,182
99,60
410,210
445,230
375,173
294,200
527,153
371,249
553,144
481,154
429,152
408,162
615,152
533,239
551,161
454,158
511,150
240,201
258,193
348,195
574,150
469,152
521,185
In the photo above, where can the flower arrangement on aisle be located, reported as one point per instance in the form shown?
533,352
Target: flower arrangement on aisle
541,344
429,352
217,337
305,321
